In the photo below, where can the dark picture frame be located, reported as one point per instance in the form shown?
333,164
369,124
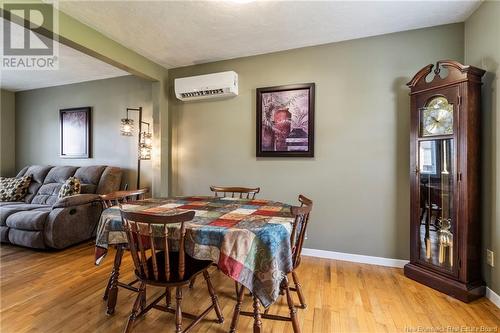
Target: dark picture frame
75,132
285,121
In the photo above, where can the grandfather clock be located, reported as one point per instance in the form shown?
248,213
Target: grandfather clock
445,170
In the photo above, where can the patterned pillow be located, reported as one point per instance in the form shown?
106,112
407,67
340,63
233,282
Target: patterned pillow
70,187
14,189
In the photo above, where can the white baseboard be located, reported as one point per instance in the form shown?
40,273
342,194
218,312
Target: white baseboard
493,297
399,263
355,258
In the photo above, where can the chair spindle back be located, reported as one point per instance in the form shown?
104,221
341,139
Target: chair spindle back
147,234
241,192
301,215
119,197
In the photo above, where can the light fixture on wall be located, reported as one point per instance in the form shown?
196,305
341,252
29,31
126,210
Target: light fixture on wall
145,139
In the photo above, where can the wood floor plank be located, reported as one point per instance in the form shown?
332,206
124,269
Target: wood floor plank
49,291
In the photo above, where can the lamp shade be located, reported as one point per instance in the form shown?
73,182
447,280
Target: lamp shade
127,127
145,146
144,152
148,139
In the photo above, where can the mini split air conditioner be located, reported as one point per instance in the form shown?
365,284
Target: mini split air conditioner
216,85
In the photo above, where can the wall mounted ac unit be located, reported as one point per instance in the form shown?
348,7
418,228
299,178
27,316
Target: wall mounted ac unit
216,85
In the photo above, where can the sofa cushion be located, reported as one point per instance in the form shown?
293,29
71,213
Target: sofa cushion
49,191
4,234
59,174
9,203
6,211
47,194
14,189
28,220
110,180
89,177
27,238
70,187
38,172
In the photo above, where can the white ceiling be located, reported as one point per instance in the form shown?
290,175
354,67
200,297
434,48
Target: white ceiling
74,67
179,33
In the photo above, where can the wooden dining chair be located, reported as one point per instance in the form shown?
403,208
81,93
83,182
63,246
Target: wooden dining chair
235,191
299,234
157,265
118,197
299,228
109,200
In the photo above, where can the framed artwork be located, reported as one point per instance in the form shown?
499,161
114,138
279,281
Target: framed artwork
75,130
285,121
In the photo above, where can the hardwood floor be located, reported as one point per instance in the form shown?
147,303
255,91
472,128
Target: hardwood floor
62,292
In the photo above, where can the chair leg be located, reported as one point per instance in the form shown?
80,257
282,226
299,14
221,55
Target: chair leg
135,310
291,306
240,292
108,286
142,291
215,300
192,282
113,286
236,288
178,310
168,297
298,286
257,322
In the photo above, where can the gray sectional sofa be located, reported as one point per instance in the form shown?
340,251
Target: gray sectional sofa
43,221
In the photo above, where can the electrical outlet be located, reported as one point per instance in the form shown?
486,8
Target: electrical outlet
490,258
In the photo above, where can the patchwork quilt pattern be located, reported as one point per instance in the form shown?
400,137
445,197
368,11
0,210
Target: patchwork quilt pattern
248,239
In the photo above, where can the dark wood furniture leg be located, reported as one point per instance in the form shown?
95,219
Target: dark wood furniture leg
106,291
168,297
138,305
298,289
240,292
178,310
112,292
291,307
257,322
213,296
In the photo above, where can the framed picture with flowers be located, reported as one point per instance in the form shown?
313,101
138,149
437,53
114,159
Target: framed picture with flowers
285,121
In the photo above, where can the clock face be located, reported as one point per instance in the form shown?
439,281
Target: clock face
437,117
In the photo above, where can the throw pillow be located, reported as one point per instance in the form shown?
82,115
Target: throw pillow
70,187
14,189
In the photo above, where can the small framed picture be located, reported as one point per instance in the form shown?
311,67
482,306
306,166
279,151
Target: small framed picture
75,131
285,121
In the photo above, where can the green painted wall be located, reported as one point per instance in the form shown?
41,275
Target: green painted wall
37,124
482,49
7,134
359,178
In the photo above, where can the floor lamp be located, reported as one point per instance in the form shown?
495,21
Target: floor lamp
144,143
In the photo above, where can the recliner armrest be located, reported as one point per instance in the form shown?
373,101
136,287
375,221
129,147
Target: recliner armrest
76,200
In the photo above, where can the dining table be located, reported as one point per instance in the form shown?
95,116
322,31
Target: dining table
248,239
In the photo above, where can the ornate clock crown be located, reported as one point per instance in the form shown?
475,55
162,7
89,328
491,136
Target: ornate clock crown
457,72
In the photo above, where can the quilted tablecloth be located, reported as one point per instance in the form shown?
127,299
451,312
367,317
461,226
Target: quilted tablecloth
248,239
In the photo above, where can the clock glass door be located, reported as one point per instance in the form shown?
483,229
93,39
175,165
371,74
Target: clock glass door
436,231
435,180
